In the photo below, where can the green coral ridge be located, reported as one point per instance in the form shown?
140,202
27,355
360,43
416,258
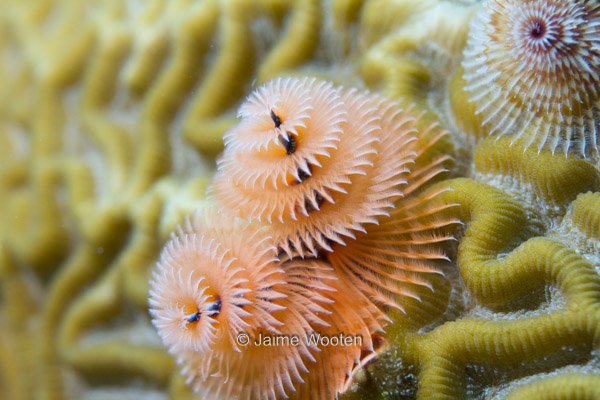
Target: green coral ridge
111,114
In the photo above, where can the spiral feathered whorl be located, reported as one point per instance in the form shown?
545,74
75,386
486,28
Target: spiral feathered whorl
215,280
199,292
317,161
533,69
218,290
263,368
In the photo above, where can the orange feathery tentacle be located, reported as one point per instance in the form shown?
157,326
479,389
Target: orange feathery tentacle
344,170
268,364
346,341
389,260
215,281
227,310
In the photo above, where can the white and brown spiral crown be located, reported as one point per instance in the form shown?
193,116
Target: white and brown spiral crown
317,161
533,69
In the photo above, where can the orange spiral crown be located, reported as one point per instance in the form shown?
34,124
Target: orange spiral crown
317,161
218,290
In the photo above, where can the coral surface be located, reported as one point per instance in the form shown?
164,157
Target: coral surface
112,114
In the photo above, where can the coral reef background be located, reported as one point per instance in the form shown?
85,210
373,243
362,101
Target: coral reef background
111,115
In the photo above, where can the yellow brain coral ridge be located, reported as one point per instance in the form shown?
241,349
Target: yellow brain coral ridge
580,226
585,216
486,237
104,302
555,182
568,386
531,68
451,349
412,62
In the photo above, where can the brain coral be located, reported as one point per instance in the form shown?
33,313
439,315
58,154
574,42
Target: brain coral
111,115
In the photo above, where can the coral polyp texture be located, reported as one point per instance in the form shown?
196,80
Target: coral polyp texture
532,67
482,282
